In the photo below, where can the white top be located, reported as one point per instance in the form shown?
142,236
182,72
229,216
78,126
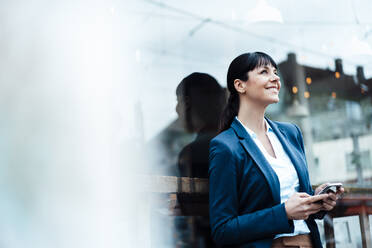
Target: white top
284,169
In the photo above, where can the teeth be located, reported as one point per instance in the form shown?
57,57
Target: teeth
273,89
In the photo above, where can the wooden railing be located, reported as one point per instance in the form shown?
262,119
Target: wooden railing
165,191
355,202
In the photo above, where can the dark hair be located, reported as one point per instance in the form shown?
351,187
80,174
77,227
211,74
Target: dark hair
239,69
206,99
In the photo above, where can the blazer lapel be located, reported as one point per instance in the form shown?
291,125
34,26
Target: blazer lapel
252,149
289,149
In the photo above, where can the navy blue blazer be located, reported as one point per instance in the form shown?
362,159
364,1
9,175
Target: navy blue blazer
244,191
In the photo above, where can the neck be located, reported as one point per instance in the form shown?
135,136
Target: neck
252,116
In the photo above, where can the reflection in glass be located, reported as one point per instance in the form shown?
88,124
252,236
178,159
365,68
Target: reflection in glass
200,100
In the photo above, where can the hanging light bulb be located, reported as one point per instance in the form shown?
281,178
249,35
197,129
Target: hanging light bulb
263,12
294,90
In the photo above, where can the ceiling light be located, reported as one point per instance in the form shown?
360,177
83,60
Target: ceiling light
263,12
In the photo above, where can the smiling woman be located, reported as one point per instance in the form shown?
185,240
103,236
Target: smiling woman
259,188
262,86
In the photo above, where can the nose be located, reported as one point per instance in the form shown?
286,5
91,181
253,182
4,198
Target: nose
275,77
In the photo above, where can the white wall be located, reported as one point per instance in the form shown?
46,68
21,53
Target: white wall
332,159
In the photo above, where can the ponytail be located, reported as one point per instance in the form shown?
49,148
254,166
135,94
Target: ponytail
230,111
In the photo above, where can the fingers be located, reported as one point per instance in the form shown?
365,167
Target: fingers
328,206
330,202
302,205
303,195
315,207
320,187
340,191
332,196
316,198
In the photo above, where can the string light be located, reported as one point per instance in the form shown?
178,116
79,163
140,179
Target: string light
306,94
337,74
294,90
334,94
308,80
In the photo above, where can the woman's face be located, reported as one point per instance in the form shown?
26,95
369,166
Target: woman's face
263,85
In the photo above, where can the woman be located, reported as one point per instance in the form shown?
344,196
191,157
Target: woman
260,192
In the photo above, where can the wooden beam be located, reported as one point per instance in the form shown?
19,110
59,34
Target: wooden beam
172,184
189,196
181,204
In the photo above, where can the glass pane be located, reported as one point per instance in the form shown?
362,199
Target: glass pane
347,232
106,105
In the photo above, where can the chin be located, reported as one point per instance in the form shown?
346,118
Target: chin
274,100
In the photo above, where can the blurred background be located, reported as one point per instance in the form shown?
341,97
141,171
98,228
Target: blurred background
96,93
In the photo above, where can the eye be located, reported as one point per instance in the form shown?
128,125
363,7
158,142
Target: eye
263,71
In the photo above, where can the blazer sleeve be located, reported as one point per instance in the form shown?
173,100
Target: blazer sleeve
320,214
228,227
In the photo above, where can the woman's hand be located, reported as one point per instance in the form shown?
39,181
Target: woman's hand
301,205
330,202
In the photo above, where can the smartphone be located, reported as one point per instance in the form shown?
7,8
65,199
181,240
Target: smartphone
332,187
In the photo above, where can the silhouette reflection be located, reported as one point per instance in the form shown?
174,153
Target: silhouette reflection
200,100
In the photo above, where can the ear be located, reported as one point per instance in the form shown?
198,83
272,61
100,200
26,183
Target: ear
240,86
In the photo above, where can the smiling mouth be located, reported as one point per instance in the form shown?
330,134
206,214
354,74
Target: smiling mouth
273,88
